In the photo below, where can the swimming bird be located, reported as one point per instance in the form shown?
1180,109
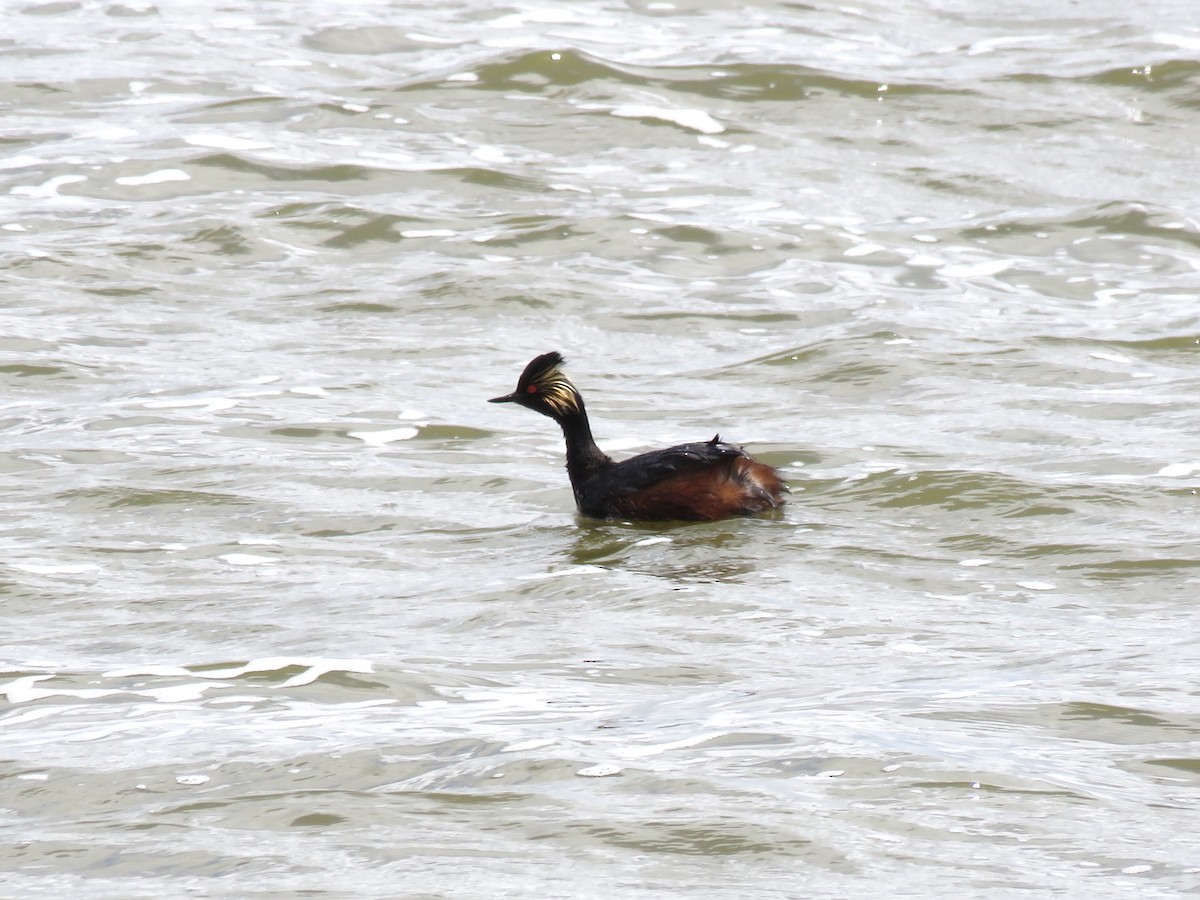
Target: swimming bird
703,481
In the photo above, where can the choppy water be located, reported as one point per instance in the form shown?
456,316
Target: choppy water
288,607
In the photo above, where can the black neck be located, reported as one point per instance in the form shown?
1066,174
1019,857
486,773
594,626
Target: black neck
583,456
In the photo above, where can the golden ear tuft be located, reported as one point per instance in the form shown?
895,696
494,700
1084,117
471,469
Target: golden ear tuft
540,370
543,378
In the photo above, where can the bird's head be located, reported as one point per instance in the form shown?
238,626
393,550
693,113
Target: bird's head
544,388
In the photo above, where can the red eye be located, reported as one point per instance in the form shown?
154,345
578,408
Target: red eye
532,389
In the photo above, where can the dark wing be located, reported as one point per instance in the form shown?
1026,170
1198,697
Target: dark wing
648,469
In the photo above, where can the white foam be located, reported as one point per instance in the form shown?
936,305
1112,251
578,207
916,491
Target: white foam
430,38
644,752
179,693
1179,470
109,133
532,744
582,569
217,141
971,270
692,119
601,770
427,232
283,63
864,249
488,153
246,559
21,161
322,666
379,438
158,671
23,690
41,569
47,188
275,663
159,177
205,404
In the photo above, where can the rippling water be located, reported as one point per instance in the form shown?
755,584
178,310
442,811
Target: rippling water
288,607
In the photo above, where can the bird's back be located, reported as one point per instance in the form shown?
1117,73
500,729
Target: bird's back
699,481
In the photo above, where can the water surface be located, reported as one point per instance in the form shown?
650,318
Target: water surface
288,607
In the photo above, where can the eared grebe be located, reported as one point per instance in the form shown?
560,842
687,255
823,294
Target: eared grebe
702,481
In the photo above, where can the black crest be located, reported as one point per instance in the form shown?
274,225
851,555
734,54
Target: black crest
542,370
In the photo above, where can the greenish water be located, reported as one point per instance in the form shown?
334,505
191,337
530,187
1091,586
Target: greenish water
288,607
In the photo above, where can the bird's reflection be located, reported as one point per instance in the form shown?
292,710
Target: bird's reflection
727,551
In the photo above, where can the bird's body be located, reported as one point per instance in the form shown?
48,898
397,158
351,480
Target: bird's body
701,481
